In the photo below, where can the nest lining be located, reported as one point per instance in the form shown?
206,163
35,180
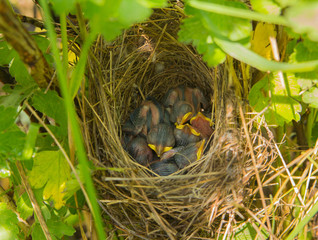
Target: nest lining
147,60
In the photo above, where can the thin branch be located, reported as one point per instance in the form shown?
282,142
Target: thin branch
21,40
34,203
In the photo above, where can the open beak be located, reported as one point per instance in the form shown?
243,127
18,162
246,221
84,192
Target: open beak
159,149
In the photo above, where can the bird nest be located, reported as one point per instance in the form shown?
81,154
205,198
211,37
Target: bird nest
197,201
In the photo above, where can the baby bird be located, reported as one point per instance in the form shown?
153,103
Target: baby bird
185,134
139,150
193,96
184,155
202,124
189,154
164,168
161,138
181,112
149,114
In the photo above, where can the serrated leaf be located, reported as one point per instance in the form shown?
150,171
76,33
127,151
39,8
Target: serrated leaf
311,97
53,106
280,100
112,16
59,228
201,27
8,223
24,206
232,28
51,171
260,43
303,19
266,6
305,51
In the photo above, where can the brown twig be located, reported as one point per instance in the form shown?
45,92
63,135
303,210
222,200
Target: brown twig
34,203
259,181
21,40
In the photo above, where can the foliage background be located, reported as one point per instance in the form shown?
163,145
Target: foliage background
277,38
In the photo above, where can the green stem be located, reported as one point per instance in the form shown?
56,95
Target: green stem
243,54
64,40
237,12
78,73
77,137
310,123
299,227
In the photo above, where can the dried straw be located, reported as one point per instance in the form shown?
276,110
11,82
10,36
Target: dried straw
199,201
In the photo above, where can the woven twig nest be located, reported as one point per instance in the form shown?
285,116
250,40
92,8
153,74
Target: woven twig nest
147,60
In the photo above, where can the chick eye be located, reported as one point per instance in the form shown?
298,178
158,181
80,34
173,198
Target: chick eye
166,149
153,147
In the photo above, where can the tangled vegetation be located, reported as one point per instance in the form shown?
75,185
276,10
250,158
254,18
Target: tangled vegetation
69,86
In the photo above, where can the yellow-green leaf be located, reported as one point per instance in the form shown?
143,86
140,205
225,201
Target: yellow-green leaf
51,171
281,100
260,42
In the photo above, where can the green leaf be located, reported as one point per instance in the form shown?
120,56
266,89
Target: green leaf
7,54
247,232
44,45
12,143
202,26
311,97
7,117
62,6
51,171
212,54
24,206
38,193
281,100
215,24
266,6
17,94
53,106
8,223
210,6
59,228
112,16
305,51
37,232
17,68
303,19
19,72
